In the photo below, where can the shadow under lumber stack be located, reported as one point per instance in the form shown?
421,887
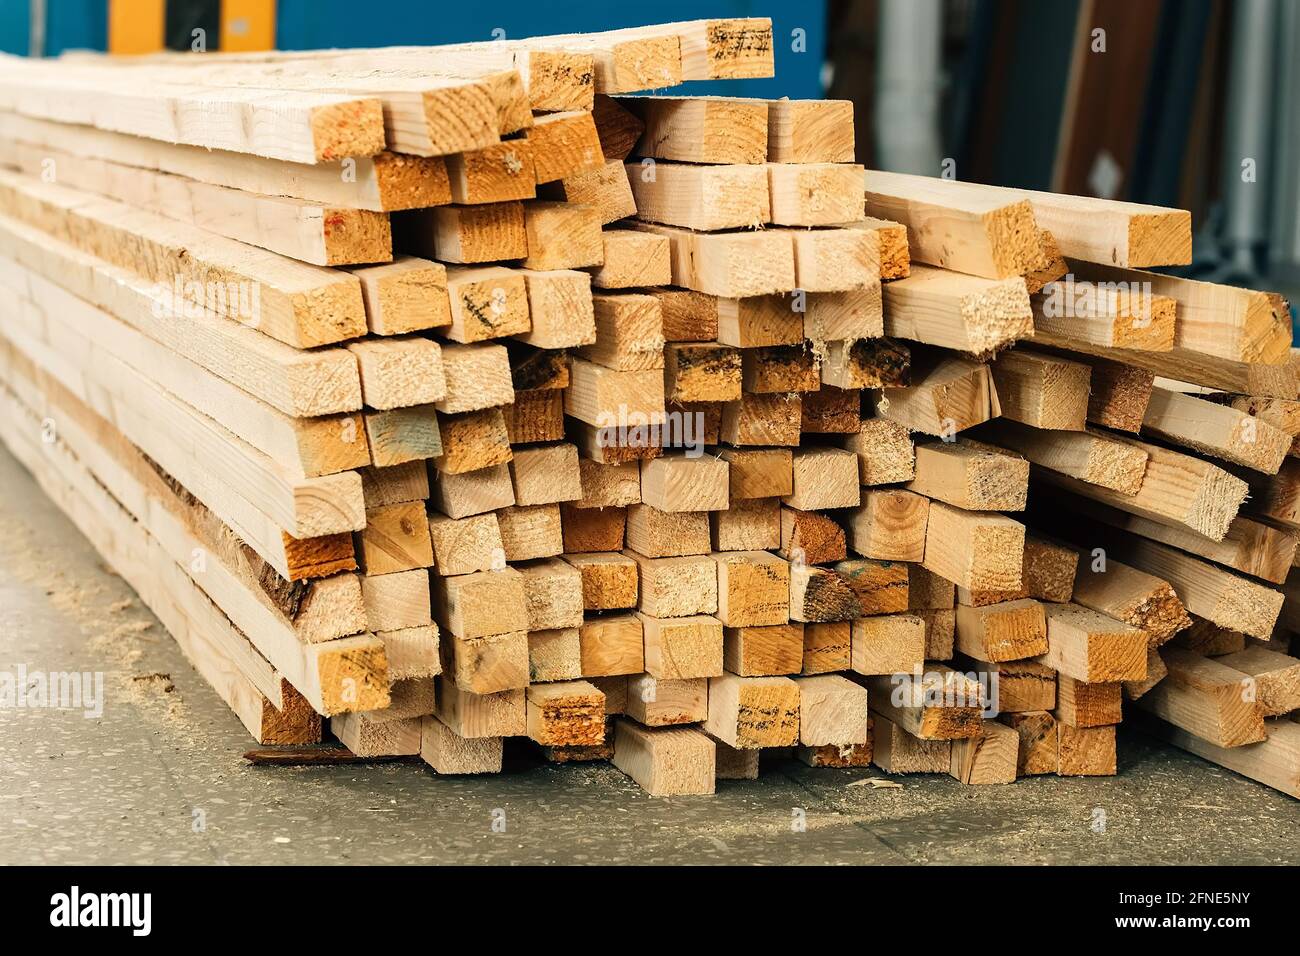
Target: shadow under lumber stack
453,395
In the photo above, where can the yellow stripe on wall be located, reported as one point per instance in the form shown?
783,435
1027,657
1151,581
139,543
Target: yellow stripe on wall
136,26
247,25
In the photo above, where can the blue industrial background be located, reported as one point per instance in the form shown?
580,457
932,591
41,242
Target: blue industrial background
308,24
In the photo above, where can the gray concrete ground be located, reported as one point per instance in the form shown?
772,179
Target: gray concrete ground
159,778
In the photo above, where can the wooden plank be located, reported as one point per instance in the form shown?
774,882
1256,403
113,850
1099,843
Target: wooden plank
1205,697
977,550
333,675
399,372
298,126
606,189
612,646
300,384
885,452
447,752
609,580
1216,430
810,131
1090,456
1216,321
1176,489
946,396
665,703
381,183
1042,390
894,750
296,228
890,524
822,479
701,129
1091,647
733,265
701,197
299,304
832,711
317,447
958,226
948,309
666,761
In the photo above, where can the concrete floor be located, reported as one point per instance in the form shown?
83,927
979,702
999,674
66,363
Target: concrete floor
159,778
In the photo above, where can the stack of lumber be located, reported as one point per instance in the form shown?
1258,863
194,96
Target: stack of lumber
438,396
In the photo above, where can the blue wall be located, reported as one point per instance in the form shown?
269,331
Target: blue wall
14,26
305,24
69,25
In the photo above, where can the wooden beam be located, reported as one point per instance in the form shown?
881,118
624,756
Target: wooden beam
701,129
956,311
665,761
1223,597
1070,315
977,550
990,758
296,228
381,183
1091,647
296,126
730,264
1009,631
299,304
1132,596
810,131
1276,676
682,648
942,705
633,260
752,712
947,395
815,194
1090,456
701,197
971,475
1217,430
1042,390
1206,698
1177,489
958,226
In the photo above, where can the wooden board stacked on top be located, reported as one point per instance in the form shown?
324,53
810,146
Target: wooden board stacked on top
452,395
